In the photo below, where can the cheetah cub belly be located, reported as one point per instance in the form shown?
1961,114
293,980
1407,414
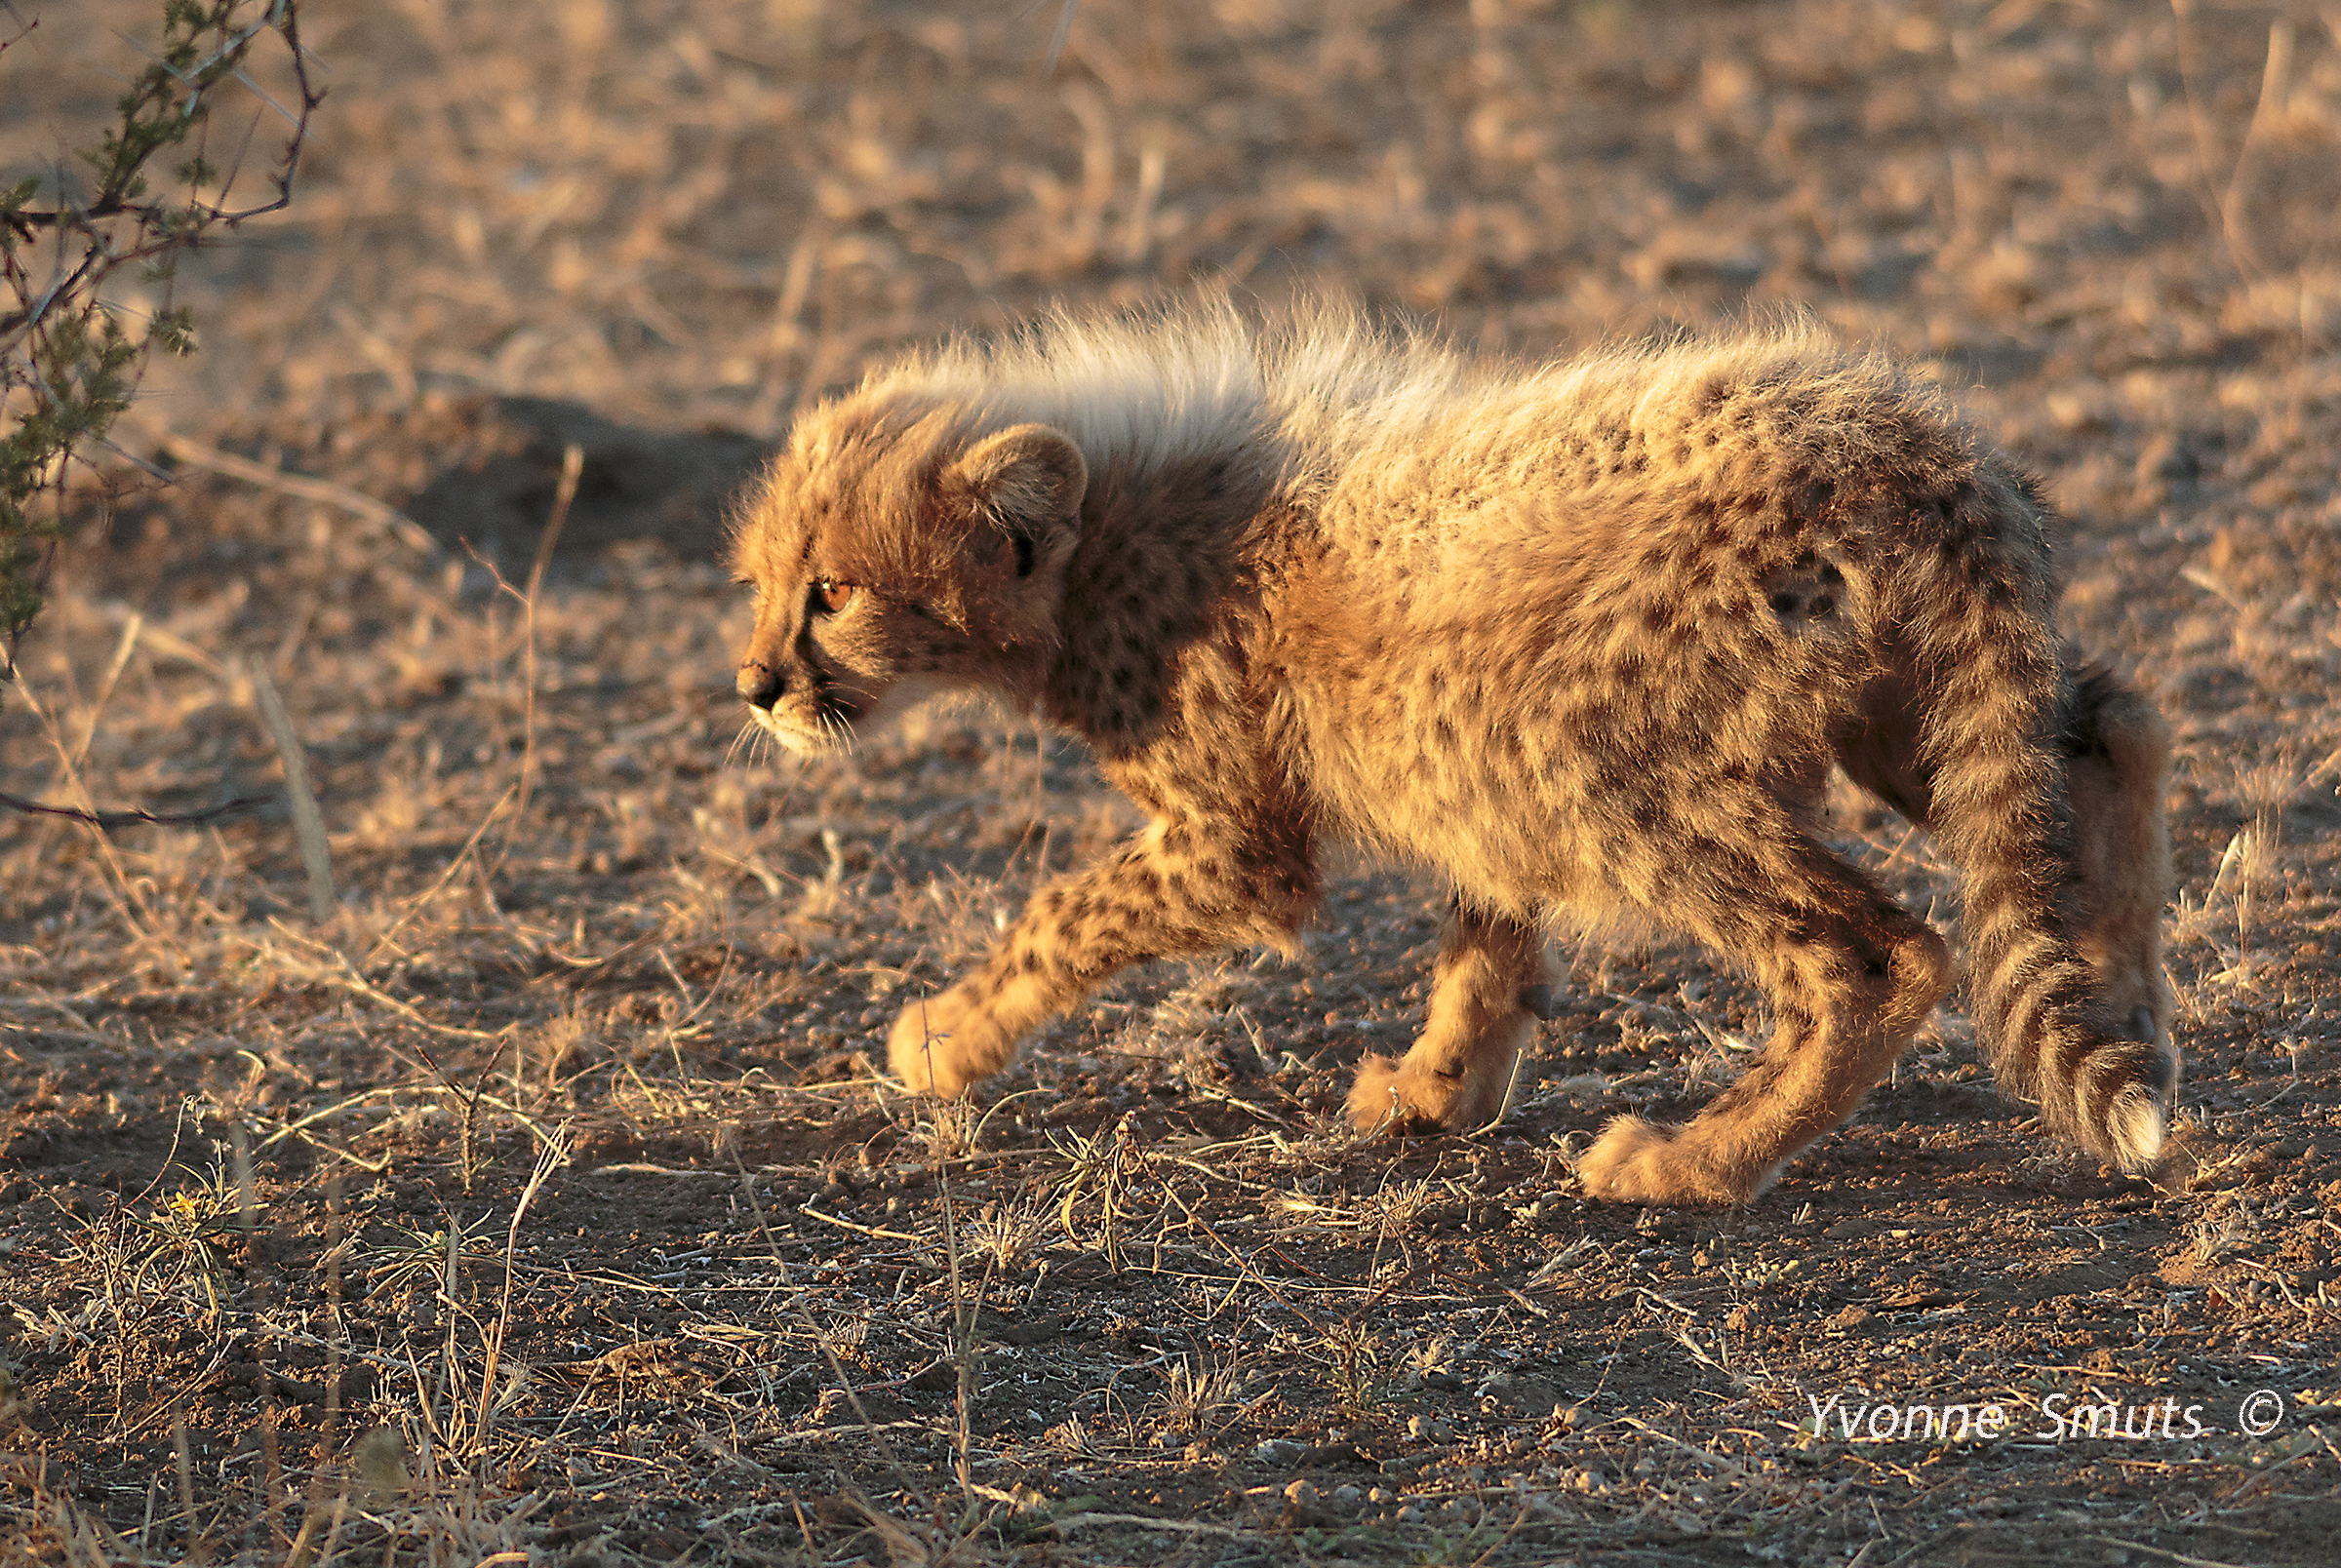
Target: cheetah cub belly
1583,640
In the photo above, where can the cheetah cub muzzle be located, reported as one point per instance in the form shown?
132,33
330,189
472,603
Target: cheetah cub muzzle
1581,642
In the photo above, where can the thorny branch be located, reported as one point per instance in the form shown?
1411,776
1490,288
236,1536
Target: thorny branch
122,158
68,363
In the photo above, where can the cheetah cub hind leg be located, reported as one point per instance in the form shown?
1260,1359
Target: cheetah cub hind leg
1850,975
1488,992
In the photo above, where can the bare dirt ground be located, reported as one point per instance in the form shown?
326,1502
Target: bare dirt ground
540,1205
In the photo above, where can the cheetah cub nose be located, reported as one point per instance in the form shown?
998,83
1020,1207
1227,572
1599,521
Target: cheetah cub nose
759,686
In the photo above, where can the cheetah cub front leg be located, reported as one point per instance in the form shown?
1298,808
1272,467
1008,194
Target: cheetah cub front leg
1181,886
1488,992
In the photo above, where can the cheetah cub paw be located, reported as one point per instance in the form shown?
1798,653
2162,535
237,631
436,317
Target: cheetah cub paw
1639,1161
1399,1095
942,1045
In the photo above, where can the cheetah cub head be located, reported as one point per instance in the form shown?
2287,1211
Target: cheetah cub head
896,554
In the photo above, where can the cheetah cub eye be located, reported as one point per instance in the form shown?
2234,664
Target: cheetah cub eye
830,597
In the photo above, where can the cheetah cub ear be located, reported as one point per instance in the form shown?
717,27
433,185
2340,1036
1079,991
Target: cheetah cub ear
1021,488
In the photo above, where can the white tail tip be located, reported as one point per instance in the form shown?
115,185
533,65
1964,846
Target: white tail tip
2135,1128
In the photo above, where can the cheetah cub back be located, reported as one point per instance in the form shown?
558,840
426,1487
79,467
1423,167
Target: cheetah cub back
1581,641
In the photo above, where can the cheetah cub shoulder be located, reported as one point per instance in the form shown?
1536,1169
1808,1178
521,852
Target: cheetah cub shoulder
1580,640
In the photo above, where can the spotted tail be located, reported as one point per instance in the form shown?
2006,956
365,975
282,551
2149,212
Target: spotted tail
1996,701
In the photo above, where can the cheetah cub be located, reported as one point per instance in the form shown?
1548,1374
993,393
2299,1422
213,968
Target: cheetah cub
1582,640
